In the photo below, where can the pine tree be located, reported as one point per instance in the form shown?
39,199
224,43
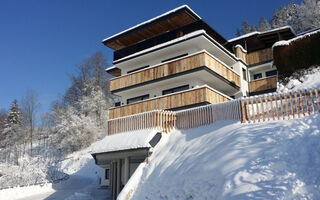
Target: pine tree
264,24
13,132
245,28
253,28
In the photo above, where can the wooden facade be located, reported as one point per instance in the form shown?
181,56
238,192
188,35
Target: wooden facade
167,102
260,56
241,53
177,66
263,84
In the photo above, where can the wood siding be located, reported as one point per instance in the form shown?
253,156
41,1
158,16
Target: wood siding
240,53
175,100
263,84
259,56
177,66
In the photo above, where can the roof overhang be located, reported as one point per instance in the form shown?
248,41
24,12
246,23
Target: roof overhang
259,40
168,21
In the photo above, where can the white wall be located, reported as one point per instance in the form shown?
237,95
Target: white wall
244,88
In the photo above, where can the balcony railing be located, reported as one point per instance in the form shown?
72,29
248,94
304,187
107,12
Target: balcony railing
263,84
189,97
184,64
259,56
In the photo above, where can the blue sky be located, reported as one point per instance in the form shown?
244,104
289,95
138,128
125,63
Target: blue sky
42,41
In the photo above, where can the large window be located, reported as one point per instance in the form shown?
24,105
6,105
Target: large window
176,89
271,73
136,99
179,56
137,69
257,76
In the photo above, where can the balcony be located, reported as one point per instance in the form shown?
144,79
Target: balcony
260,56
268,84
177,67
196,96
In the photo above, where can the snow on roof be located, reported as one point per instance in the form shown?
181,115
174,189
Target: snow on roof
260,33
153,19
287,42
124,141
110,68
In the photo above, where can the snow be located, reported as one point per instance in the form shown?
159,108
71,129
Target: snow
260,33
83,182
309,80
238,45
153,19
230,160
288,42
123,141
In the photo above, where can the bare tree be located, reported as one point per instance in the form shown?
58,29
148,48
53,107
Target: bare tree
30,106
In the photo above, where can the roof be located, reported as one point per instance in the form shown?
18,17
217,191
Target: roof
168,21
124,141
262,33
261,40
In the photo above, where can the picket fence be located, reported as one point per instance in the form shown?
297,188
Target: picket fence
280,106
266,107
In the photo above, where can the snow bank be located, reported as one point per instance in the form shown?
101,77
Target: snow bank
123,141
310,79
23,192
230,160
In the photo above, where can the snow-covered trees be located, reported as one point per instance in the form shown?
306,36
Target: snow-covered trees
81,114
30,105
13,133
300,17
264,24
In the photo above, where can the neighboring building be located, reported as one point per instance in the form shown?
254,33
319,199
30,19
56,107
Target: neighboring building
177,61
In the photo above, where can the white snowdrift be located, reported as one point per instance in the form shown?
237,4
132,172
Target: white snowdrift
124,141
229,160
307,81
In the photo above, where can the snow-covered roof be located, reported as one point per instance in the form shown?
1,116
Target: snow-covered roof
151,20
124,141
287,42
260,33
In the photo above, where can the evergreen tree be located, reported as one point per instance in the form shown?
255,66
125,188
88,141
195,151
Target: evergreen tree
253,28
13,132
264,24
245,28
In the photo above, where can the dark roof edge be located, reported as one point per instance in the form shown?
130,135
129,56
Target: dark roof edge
142,25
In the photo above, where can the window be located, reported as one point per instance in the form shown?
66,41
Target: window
257,76
106,174
271,73
244,74
136,99
116,104
175,57
176,89
128,72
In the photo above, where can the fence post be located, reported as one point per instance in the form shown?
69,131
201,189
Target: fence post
317,97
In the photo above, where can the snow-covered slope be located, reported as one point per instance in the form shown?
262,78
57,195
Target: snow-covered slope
230,160
305,79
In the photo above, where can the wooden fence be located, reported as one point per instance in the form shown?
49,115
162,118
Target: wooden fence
277,106
164,121
208,114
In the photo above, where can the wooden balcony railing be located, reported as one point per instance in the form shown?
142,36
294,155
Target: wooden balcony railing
197,60
263,84
273,106
259,56
199,95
